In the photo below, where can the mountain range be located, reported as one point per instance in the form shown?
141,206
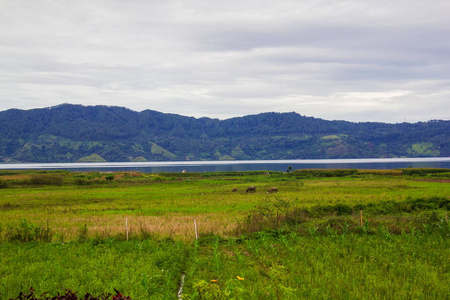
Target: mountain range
71,133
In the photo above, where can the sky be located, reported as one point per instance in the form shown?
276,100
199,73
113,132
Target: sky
354,60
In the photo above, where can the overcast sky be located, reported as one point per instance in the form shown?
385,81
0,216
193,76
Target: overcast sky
384,61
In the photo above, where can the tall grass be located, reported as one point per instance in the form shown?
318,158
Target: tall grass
264,265
322,267
145,269
366,235
167,208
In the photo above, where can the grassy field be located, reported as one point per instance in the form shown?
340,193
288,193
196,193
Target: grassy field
344,234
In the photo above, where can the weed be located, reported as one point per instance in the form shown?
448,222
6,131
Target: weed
208,290
46,179
269,215
330,231
4,184
70,295
82,233
109,177
345,228
8,206
324,172
305,244
82,181
26,231
313,231
423,171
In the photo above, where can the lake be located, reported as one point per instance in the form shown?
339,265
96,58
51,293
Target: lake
241,165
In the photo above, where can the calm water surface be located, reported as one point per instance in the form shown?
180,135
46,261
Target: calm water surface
242,165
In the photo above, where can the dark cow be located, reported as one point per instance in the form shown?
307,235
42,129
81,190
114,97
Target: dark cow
272,190
234,189
251,189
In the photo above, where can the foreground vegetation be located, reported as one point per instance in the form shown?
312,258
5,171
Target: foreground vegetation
345,234
264,266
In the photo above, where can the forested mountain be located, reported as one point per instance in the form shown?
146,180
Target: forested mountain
69,133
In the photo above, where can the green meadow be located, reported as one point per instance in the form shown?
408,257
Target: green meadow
341,234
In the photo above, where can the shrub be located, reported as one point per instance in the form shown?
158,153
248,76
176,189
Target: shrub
280,215
3,184
339,209
423,171
268,216
8,206
27,232
179,174
82,233
428,203
70,295
325,172
380,172
82,181
109,178
47,179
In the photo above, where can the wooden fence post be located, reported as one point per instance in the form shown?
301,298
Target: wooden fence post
195,226
360,217
126,226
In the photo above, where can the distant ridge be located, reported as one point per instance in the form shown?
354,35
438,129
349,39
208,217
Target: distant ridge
68,133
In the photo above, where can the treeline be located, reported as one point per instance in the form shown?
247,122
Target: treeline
66,133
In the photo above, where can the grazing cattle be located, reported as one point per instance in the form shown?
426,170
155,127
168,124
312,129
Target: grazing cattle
234,189
272,190
251,189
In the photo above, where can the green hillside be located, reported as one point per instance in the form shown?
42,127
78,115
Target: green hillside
92,158
68,133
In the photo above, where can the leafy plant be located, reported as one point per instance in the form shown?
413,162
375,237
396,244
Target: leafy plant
3,184
82,233
70,295
46,179
269,215
26,231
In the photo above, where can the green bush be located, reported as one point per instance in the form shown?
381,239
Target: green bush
46,179
8,206
325,172
281,215
82,181
179,174
26,231
339,209
428,203
423,171
4,184
70,295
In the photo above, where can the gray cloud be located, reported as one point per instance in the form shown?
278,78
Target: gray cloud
354,60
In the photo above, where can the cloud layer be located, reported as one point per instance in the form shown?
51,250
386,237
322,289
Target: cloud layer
384,61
